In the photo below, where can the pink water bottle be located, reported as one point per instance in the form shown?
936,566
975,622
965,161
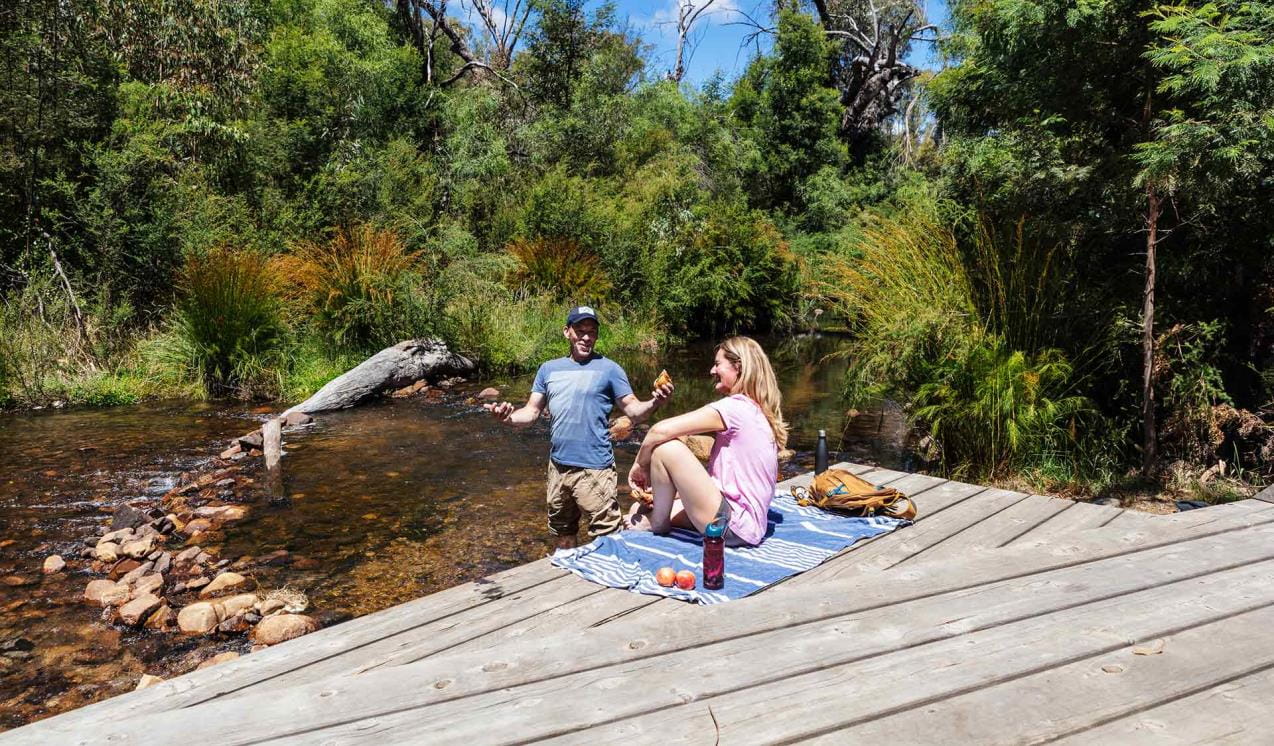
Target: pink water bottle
714,556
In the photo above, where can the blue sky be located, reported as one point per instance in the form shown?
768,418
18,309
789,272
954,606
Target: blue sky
718,40
719,34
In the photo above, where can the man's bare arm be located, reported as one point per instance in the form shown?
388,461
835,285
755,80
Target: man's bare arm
518,417
638,410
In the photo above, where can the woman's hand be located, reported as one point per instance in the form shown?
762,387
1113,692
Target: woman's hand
638,477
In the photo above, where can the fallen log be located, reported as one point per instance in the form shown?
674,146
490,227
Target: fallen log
391,368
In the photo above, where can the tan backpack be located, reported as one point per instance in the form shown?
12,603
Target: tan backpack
837,489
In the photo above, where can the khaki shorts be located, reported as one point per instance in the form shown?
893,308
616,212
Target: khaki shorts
572,489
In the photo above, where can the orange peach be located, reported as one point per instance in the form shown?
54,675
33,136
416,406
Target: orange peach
686,580
665,577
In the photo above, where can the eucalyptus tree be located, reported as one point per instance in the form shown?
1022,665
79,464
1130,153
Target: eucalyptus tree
870,41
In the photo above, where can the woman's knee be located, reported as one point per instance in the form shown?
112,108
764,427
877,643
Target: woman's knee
671,451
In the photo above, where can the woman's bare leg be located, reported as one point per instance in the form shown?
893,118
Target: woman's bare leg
685,495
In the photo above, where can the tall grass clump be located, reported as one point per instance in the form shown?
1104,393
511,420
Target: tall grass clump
561,267
227,331
945,329
362,290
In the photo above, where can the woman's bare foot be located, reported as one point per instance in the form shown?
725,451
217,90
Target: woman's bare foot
638,518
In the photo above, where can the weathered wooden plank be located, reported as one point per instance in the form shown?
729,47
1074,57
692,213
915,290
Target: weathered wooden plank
1237,711
1115,685
1079,516
998,528
910,543
445,693
820,675
1197,517
424,640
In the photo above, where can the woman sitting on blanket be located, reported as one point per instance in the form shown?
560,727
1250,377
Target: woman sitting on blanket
738,484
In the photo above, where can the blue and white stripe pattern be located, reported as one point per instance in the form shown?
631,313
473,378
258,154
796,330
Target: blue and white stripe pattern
797,539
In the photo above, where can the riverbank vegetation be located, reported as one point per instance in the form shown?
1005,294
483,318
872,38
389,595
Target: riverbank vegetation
1054,247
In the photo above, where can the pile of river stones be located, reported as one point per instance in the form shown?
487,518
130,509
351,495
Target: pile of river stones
158,575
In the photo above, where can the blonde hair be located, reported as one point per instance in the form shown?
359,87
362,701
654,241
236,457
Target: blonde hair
757,381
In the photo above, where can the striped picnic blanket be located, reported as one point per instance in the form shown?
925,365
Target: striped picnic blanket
797,539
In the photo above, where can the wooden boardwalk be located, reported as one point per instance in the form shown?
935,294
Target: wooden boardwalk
998,617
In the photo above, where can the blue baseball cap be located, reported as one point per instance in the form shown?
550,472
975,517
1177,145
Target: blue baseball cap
581,313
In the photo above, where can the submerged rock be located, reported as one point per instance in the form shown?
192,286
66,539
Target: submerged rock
53,563
218,658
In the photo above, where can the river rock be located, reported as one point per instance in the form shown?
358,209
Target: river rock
197,526
252,440
293,419
218,658
162,618
282,627
107,551
126,516
139,548
222,513
53,563
187,555
196,583
277,558
148,680
96,589
164,563
270,606
117,537
122,568
232,451
236,604
198,618
620,428
224,581
131,577
135,611
235,625
490,392
305,563
150,583
105,592
17,643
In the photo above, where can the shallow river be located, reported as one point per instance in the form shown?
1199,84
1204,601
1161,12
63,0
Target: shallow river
382,504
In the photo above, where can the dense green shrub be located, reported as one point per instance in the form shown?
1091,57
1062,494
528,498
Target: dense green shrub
227,330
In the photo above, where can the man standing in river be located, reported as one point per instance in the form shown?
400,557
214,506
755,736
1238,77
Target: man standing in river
579,391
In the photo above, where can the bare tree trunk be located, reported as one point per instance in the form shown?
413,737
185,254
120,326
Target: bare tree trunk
389,369
687,14
1154,207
